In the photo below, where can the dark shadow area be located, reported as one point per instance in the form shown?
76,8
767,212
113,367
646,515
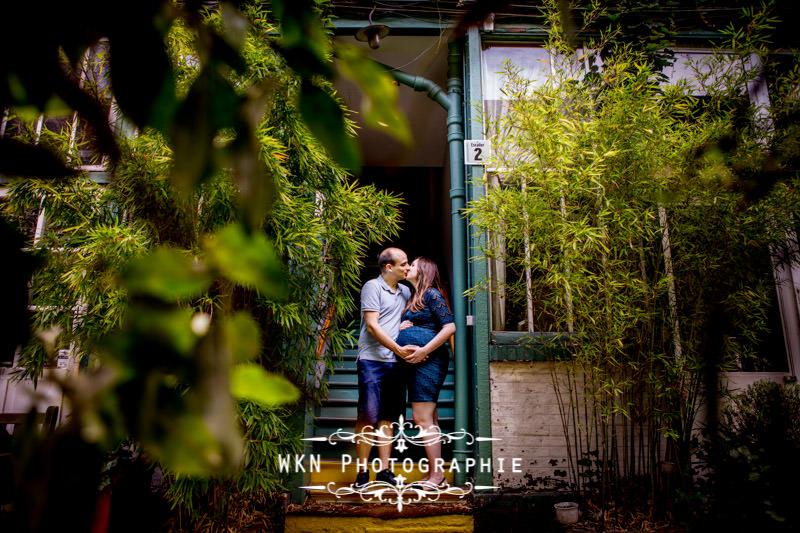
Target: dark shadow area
425,227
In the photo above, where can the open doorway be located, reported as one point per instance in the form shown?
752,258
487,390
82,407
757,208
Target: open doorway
418,173
425,229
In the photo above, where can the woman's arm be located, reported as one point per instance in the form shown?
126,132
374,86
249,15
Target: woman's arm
440,338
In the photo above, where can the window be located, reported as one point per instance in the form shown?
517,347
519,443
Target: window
71,135
518,288
519,292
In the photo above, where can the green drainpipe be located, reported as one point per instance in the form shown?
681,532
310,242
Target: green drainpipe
452,102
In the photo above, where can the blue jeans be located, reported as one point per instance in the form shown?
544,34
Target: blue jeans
381,391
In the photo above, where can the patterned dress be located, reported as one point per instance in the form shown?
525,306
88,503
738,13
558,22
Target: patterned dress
425,379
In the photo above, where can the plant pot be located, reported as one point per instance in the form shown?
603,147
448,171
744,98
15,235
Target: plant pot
566,512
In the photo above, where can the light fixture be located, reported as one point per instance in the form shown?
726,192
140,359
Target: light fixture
372,33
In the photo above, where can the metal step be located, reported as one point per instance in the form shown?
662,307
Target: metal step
350,379
343,412
340,395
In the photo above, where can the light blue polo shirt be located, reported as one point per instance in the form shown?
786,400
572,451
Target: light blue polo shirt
377,296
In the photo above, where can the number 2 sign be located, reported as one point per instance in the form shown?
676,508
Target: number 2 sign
476,152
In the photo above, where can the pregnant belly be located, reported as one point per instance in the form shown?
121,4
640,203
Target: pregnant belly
415,335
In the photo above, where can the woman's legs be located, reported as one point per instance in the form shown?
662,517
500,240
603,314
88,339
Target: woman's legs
425,417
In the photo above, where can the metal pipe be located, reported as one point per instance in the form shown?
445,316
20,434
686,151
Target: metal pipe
452,102
455,140
418,83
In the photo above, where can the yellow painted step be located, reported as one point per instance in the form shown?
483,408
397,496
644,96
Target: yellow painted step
366,524
333,476
343,493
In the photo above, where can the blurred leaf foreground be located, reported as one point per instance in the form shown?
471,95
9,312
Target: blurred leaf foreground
209,270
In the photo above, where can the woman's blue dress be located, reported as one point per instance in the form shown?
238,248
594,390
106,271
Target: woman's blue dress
425,379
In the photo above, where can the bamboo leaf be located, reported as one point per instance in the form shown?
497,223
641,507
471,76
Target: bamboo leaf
167,273
325,119
246,258
252,382
380,102
243,337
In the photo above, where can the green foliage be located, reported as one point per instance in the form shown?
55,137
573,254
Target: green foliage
752,466
766,414
380,93
642,220
167,273
182,69
248,260
209,503
185,304
77,285
648,26
250,382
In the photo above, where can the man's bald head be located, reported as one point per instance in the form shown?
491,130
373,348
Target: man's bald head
389,257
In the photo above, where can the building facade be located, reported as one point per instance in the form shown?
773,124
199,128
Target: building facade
501,390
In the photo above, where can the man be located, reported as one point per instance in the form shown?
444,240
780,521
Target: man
381,390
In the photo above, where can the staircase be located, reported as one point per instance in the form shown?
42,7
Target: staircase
338,411
324,510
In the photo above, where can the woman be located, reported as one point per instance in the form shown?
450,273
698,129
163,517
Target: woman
427,324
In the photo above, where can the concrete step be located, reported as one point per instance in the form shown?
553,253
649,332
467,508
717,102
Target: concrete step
334,484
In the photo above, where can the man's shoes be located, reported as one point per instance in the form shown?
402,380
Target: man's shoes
361,480
387,477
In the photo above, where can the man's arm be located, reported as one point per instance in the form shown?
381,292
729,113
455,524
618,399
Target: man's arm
380,335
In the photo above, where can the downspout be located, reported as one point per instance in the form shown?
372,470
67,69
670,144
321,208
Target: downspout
455,140
452,102
418,83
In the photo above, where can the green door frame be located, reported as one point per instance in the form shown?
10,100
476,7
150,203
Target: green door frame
477,265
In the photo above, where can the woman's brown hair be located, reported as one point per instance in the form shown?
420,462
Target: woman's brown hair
427,277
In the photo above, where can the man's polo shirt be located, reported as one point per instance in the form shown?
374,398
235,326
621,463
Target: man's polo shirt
376,295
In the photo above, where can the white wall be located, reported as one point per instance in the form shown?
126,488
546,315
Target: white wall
525,417
20,396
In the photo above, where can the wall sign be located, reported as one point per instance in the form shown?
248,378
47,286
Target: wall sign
476,151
